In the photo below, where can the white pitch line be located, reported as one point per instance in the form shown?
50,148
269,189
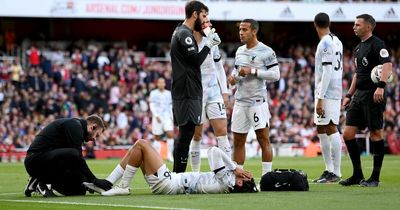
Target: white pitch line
95,204
12,193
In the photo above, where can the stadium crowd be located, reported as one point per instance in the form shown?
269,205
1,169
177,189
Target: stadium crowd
115,81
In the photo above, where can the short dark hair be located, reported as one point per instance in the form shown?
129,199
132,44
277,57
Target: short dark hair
194,6
248,186
321,20
253,24
369,19
96,119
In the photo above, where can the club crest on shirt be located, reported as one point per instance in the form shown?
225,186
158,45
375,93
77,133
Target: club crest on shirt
364,61
252,58
188,40
384,53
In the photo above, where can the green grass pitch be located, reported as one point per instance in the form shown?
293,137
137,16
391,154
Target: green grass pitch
321,196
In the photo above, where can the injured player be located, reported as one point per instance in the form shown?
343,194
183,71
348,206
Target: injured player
224,177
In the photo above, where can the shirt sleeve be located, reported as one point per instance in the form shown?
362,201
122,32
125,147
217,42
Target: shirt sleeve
327,55
189,47
381,51
270,59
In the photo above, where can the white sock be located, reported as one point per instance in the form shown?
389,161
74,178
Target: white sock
326,151
224,145
129,173
266,167
170,144
116,174
336,148
195,155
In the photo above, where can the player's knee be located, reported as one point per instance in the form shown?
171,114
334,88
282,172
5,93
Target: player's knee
141,143
376,135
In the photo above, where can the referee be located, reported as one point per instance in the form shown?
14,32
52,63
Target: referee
55,157
366,101
186,78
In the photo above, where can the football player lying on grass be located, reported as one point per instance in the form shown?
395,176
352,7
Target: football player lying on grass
224,177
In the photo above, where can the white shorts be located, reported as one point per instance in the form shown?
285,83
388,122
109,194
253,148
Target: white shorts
166,124
332,112
161,182
213,110
244,117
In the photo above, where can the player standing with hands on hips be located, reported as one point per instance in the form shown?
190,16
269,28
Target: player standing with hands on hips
255,64
328,96
366,101
187,92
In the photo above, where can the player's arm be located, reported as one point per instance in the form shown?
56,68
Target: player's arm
380,50
218,160
271,74
352,89
188,42
74,135
327,68
153,105
384,59
221,75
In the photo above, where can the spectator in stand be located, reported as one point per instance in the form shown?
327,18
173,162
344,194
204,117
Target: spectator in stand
34,56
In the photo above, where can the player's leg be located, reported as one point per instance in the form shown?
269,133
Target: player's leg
182,143
187,114
168,128
195,159
260,116
63,173
375,125
141,155
157,131
217,114
170,143
330,140
354,120
336,151
240,127
266,149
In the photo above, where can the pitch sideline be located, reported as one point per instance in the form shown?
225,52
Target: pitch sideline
93,204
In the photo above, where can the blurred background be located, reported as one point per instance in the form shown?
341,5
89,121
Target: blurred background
70,58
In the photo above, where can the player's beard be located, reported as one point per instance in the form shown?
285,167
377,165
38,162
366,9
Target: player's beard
197,25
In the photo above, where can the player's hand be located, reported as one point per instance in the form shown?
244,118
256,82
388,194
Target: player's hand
158,119
346,102
226,99
242,173
244,70
231,80
212,39
103,184
320,107
378,95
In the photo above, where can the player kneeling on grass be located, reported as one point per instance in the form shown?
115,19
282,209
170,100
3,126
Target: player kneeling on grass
224,177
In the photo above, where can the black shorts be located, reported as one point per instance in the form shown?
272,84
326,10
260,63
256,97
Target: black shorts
364,112
186,111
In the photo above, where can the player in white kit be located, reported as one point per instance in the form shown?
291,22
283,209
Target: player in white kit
224,176
255,64
161,110
215,97
328,95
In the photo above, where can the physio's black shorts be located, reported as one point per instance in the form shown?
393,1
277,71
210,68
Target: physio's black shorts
364,112
188,110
